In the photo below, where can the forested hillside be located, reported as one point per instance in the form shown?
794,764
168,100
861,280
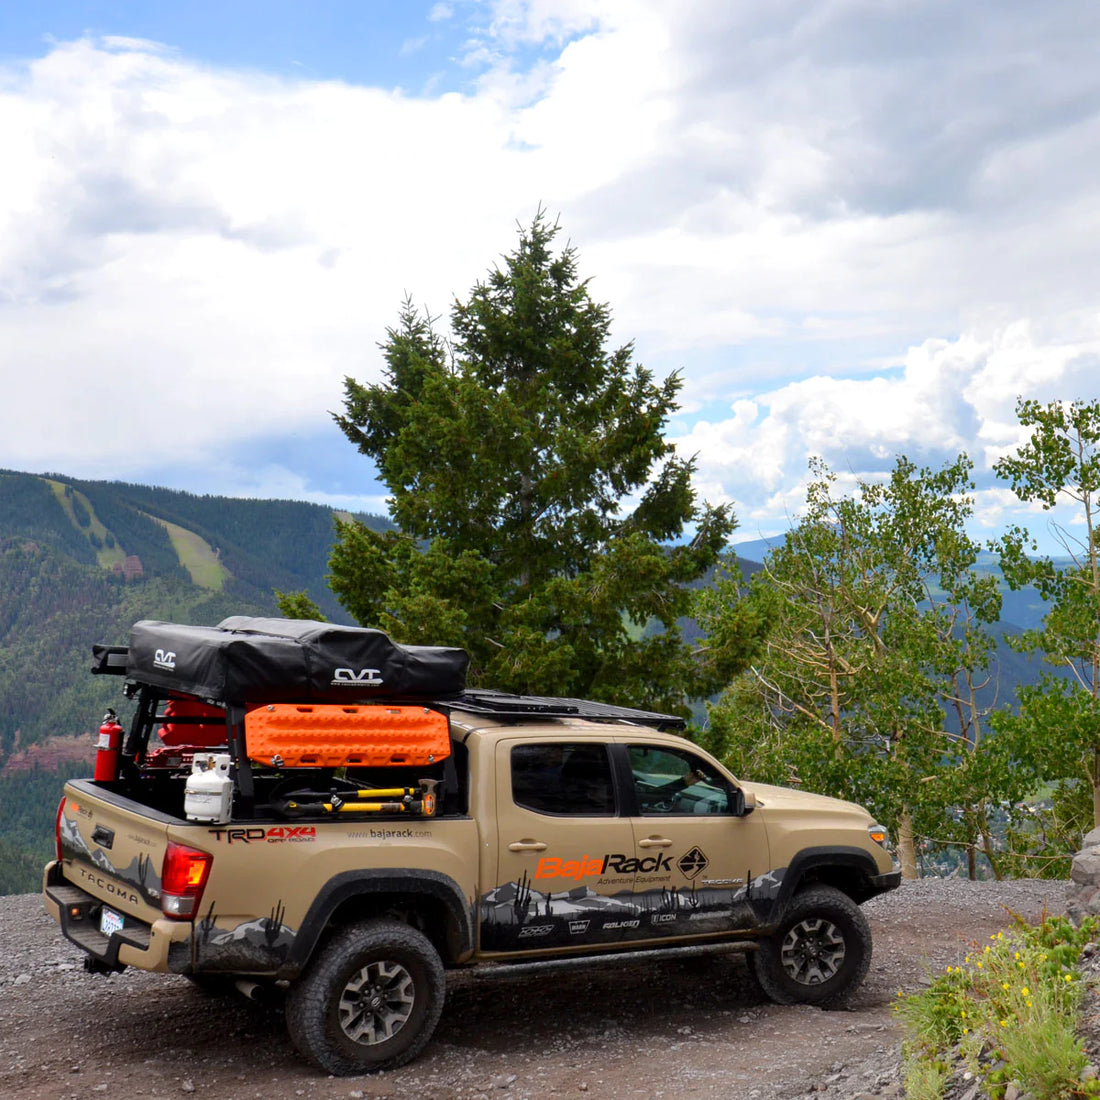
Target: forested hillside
79,563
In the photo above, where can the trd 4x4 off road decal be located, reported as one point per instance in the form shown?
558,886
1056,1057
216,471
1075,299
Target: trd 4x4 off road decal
273,834
581,915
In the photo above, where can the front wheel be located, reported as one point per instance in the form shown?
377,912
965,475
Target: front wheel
820,952
370,1000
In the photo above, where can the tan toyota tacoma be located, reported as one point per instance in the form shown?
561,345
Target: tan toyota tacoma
316,808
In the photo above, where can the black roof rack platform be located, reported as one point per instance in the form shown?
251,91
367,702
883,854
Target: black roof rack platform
500,704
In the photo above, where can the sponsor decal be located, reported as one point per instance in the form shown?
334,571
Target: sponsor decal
621,924
107,886
616,863
165,659
578,927
662,918
533,930
692,863
277,834
723,881
389,834
365,677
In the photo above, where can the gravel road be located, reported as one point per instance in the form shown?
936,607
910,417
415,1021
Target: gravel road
691,1028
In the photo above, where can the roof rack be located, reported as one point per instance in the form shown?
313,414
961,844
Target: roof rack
502,705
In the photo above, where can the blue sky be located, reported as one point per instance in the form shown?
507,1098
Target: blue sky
369,41
858,228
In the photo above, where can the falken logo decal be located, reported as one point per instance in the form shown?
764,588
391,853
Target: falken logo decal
365,677
165,659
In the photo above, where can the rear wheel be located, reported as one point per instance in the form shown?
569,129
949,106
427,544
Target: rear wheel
820,952
369,1001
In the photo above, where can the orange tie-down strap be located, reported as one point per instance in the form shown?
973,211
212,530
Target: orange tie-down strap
299,735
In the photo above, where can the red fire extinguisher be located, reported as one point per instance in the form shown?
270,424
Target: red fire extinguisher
108,746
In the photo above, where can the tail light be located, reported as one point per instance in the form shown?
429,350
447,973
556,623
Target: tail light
183,879
57,828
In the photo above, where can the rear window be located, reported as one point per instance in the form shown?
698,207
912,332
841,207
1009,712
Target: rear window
558,777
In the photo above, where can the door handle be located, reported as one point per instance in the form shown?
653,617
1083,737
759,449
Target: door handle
527,846
655,842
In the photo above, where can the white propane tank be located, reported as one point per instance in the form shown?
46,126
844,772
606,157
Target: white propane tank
208,795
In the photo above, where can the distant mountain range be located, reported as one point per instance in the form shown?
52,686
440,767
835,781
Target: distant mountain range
80,561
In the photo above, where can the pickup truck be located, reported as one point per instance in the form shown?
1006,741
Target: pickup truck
318,809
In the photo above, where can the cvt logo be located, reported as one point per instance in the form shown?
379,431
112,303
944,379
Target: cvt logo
166,659
365,677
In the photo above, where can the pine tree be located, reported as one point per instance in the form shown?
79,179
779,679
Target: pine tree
541,514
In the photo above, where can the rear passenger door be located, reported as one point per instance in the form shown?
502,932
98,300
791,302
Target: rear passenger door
561,836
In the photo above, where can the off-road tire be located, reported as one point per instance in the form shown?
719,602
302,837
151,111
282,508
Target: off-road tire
369,1001
820,952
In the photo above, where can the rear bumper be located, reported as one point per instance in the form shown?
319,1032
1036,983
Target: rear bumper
163,946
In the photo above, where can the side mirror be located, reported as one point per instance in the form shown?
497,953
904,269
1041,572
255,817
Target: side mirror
741,803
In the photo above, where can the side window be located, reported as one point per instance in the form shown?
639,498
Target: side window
557,777
671,781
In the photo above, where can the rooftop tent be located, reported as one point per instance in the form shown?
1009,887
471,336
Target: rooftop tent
257,660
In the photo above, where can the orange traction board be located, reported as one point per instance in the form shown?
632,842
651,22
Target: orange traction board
303,735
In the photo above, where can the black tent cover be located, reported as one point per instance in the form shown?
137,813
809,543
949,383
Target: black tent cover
256,660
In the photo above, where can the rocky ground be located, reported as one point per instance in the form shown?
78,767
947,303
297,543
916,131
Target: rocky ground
692,1028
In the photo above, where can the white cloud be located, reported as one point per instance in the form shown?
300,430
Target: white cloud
951,396
779,198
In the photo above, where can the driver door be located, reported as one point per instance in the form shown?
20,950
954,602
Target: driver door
696,858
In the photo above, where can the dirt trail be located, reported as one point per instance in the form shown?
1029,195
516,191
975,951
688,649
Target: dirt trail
693,1028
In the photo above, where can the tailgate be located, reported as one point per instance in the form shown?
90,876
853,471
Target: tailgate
113,848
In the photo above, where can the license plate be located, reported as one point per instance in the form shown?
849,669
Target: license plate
110,921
